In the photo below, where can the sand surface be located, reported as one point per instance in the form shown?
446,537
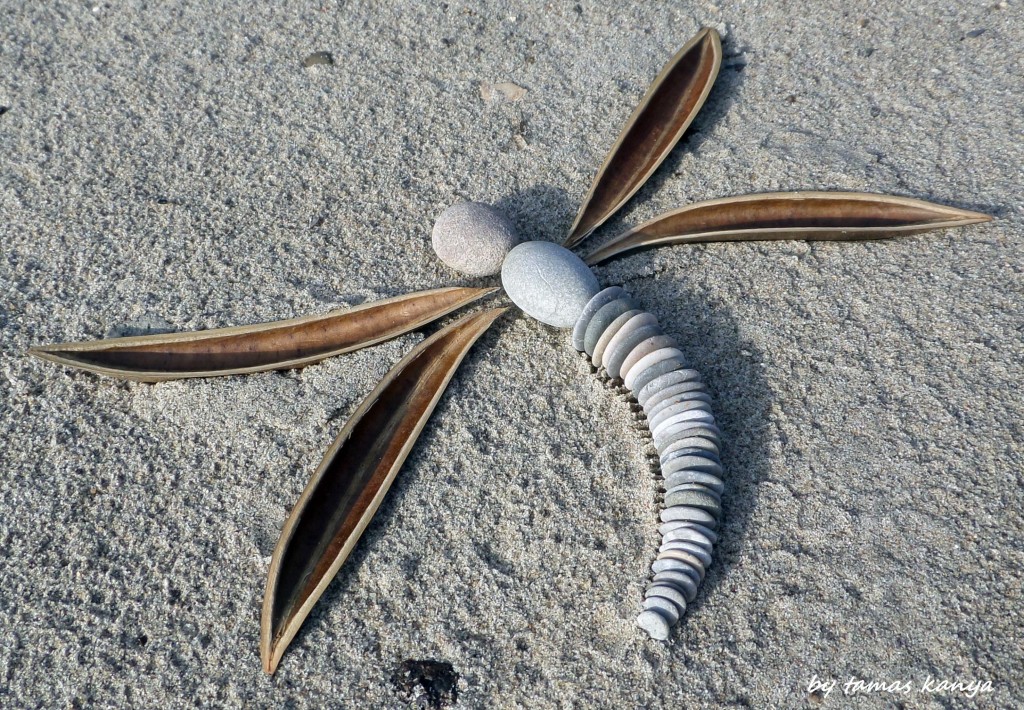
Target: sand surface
176,166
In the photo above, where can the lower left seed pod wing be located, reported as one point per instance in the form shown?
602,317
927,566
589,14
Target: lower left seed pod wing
352,480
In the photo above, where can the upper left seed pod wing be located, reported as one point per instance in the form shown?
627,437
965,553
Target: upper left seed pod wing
280,345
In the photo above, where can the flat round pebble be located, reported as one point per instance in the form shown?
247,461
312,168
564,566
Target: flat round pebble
473,238
690,476
675,408
664,607
695,499
665,379
652,402
548,282
593,305
689,442
686,512
697,487
680,398
694,549
655,371
685,557
668,592
648,360
609,333
679,580
691,451
669,430
673,565
689,535
672,527
602,319
695,463
645,348
655,624
617,353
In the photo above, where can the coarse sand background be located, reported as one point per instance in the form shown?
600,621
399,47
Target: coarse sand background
175,166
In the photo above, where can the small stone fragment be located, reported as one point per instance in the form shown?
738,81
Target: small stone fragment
654,624
502,90
318,59
473,238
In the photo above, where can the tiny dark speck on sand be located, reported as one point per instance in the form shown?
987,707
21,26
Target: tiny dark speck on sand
318,58
428,684
4,109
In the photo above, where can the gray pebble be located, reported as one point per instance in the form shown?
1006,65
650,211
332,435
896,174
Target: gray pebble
693,548
670,527
684,422
473,238
690,442
705,429
696,463
606,337
655,371
681,478
681,581
689,535
645,348
665,379
593,305
695,499
686,512
655,624
602,319
616,354
671,391
692,451
673,565
666,591
685,557
673,408
663,403
664,607
698,487
648,360
548,282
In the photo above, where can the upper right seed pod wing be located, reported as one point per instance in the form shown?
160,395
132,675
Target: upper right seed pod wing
657,124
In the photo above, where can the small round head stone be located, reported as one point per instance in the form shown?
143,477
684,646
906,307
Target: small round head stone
473,238
548,282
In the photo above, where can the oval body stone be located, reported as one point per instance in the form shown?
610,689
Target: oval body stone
548,282
473,238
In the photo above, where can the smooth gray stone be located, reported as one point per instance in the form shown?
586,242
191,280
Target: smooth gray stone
669,592
673,565
693,548
670,527
609,333
645,348
698,487
689,535
617,353
693,396
648,360
708,430
473,238
685,557
691,476
666,379
664,607
667,430
641,319
686,512
654,623
695,499
548,282
699,440
602,319
675,390
691,451
602,298
655,371
674,408
696,463
680,581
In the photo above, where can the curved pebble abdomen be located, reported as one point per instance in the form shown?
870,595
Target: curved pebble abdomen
626,343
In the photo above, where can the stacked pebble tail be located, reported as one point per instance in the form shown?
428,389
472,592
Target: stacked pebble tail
626,342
